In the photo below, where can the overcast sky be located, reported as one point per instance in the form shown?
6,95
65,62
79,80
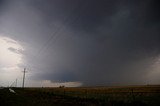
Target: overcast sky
80,42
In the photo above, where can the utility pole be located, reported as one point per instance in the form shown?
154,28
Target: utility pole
16,83
24,72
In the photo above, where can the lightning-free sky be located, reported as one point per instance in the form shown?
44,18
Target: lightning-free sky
80,42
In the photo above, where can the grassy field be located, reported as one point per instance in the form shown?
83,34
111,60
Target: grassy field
89,96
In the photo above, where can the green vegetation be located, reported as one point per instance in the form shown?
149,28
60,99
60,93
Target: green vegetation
97,96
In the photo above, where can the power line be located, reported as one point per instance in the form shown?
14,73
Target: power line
60,29
58,33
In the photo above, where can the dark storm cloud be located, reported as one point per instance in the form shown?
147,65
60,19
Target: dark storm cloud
120,33
2,2
97,42
2,5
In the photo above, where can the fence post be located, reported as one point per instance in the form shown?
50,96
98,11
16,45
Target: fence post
133,97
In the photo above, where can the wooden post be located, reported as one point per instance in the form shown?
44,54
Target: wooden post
24,72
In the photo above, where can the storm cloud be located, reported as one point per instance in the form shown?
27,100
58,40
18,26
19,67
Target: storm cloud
96,42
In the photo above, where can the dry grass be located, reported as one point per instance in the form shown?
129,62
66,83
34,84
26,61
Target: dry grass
119,95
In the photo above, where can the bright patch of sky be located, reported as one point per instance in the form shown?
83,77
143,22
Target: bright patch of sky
10,59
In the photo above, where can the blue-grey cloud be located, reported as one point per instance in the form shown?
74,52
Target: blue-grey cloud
95,42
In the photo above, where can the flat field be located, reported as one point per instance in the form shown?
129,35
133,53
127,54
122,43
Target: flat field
148,95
